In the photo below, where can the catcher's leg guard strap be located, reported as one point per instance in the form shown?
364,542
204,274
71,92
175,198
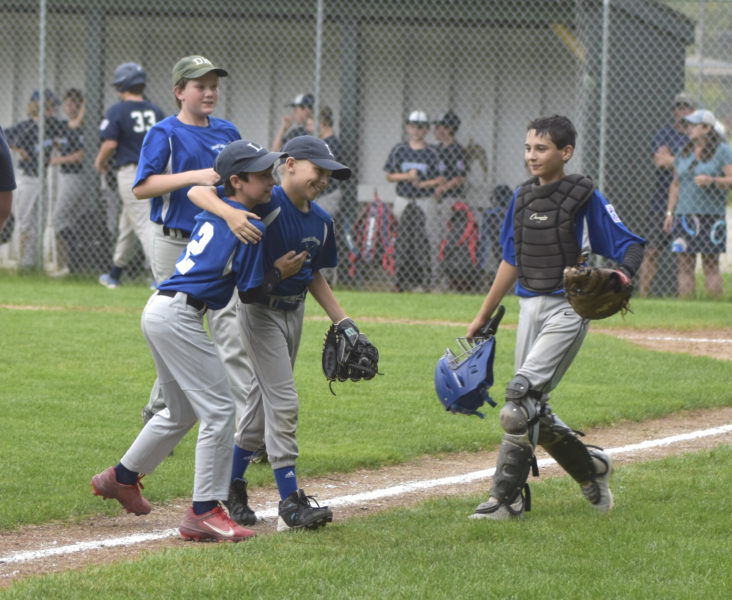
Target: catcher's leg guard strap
512,470
565,447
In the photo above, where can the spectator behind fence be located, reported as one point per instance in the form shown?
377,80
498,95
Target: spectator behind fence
122,132
414,167
294,124
69,205
695,216
7,184
666,144
23,137
330,198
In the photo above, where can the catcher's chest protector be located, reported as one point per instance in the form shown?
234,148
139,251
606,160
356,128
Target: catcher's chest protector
544,231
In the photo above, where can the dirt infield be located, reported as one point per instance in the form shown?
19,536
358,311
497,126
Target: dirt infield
717,344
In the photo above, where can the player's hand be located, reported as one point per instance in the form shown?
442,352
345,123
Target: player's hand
238,222
290,263
703,180
207,177
474,328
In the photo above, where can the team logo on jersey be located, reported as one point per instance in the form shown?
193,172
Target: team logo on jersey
218,147
611,211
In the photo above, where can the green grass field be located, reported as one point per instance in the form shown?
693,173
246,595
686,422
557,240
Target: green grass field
75,372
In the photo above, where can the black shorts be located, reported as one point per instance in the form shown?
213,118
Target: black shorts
699,234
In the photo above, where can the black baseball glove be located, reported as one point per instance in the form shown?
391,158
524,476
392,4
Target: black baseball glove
596,293
348,354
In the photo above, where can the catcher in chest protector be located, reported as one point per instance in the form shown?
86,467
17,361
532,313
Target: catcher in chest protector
552,219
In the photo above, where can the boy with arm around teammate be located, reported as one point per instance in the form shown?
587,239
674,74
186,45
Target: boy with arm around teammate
550,207
272,326
189,369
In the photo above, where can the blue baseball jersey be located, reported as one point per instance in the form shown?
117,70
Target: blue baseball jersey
126,123
72,141
173,147
288,228
403,158
24,137
452,165
599,229
215,261
7,175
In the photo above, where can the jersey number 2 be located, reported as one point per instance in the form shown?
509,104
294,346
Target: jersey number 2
194,248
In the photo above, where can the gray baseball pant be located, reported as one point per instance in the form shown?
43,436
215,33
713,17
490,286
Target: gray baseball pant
271,338
196,389
549,336
223,324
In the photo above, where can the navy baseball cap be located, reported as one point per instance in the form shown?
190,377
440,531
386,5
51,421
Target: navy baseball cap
308,147
47,94
244,156
193,67
303,100
449,119
128,75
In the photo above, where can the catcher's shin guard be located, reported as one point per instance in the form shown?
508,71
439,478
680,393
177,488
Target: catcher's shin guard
516,455
563,445
515,459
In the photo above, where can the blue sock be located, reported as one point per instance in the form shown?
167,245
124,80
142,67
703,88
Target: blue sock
203,507
124,475
241,462
115,272
286,481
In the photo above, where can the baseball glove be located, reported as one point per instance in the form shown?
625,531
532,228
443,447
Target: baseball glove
348,354
597,293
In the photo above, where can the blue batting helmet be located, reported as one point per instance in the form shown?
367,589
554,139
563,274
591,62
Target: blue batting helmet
128,75
462,381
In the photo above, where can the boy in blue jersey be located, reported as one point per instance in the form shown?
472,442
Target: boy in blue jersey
193,378
272,325
179,152
122,132
414,166
564,217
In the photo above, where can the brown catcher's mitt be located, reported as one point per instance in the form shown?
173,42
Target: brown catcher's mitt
348,354
596,293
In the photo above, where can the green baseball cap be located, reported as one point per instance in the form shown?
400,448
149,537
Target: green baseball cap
193,67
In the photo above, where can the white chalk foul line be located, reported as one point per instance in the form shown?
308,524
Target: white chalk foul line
664,338
389,492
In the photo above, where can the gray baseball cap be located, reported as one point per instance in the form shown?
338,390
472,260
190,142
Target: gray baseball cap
244,156
193,67
308,147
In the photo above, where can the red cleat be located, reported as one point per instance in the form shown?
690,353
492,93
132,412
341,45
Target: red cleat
214,525
105,484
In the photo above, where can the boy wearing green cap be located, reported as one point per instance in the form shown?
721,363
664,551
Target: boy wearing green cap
179,152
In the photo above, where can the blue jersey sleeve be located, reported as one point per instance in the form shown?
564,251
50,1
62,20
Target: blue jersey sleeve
248,262
154,155
608,235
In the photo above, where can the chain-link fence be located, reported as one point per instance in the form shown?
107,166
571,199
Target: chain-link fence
469,74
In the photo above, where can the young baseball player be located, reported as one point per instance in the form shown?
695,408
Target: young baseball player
553,221
23,137
415,168
193,378
122,132
272,325
294,125
179,152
